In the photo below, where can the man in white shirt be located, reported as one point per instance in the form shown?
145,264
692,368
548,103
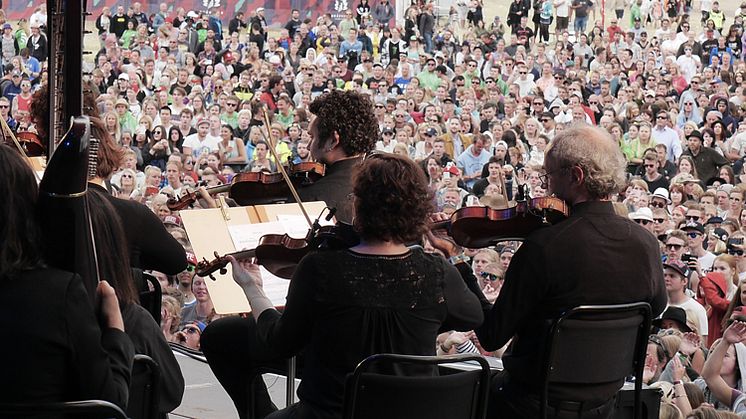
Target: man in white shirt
201,142
675,276
662,134
695,237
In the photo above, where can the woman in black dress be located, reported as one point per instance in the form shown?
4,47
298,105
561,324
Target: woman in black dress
53,344
342,306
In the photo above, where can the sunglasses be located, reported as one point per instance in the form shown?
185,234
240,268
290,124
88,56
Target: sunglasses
659,220
649,165
190,268
490,277
521,72
127,176
692,217
735,252
657,204
674,246
643,222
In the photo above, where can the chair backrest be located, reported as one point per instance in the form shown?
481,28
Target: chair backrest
144,388
597,345
89,409
462,395
150,296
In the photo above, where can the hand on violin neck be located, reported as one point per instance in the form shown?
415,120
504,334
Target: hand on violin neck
444,243
246,274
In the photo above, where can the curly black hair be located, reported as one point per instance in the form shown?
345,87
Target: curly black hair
392,199
349,114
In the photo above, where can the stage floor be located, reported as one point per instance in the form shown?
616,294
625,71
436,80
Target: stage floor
204,397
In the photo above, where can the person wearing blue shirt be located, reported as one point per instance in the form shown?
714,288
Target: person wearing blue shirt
472,160
350,44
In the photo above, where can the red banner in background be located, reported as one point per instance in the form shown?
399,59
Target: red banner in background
277,12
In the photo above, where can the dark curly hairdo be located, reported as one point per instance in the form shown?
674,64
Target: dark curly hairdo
349,114
392,200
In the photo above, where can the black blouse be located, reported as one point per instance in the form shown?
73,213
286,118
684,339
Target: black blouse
343,306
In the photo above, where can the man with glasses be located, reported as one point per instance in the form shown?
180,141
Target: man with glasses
661,223
644,218
663,134
5,114
652,176
695,233
603,258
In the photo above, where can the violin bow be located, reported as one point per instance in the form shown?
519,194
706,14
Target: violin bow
285,176
6,132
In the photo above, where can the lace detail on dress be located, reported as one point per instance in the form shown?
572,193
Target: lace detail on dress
412,280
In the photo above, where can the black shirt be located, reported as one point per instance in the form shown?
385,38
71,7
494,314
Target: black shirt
334,188
343,306
151,246
592,257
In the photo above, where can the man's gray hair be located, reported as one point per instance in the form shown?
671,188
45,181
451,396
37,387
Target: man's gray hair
596,153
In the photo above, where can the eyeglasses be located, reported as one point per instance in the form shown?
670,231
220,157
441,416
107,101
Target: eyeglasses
643,222
545,119
544,178
734,252
658,204
674,246
4,106
662,117
658,342
593,102
388,133
539,103
688,104
694,82
649,165
693,235
400,116
659,220
490,277
521,72
231,104
191,330
127,176
379,106
692,217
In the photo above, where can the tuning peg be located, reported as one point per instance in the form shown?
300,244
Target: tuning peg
223,271
212,277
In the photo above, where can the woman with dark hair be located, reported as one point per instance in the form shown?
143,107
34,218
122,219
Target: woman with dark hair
344,305
158,148
139,325
176,139
59,353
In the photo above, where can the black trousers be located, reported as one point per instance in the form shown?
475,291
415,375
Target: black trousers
511,401
238,358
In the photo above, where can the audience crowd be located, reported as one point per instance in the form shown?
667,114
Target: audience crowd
475,102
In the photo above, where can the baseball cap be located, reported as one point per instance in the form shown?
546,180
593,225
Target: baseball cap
432,132
172,220
203,120
678,266
124,76
695,226
7,26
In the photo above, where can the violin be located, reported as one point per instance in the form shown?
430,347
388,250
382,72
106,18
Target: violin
479,227
280,253
31,144
256,188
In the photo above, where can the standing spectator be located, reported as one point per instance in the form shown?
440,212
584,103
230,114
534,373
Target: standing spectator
293,24
103,23
516,11
259,22
237,24
138,15
581,8
563,15
362,11
160,18
427,26
37,44
383,13
7,44
119,22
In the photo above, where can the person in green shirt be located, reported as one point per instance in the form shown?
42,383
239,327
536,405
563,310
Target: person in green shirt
22,33
230,116
285,114
128,34
428,78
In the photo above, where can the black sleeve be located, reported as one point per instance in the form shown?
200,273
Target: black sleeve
464,310
524,285
289,332
149,340
101,361
158,249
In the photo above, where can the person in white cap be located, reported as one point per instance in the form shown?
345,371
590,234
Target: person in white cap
660,198
643,217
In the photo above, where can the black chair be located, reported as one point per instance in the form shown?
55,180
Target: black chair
373,395
592,346
144,388
89,409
